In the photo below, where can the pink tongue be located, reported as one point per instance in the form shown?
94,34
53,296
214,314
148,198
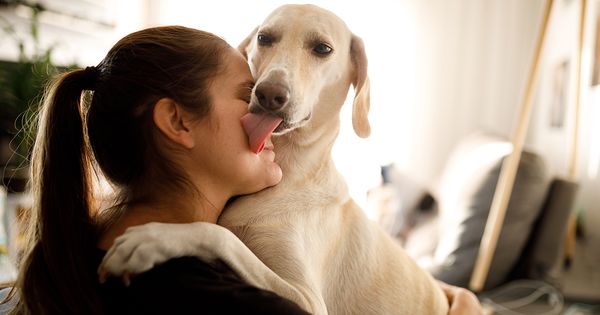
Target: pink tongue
258,127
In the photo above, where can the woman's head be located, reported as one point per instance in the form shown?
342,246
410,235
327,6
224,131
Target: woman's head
164,108
144,67
163,78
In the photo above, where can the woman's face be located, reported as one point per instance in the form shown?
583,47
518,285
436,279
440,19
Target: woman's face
223,151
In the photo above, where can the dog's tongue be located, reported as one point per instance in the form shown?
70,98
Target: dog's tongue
258,127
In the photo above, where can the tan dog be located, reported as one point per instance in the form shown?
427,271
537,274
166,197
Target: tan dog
314,245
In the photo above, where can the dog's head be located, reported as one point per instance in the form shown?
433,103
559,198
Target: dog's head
304,59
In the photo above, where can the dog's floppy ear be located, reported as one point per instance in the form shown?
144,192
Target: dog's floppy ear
362,88
243,46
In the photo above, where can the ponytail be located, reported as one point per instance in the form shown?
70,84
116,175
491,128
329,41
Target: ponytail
55,276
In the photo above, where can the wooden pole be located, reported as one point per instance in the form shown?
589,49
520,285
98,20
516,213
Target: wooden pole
509,169
573,165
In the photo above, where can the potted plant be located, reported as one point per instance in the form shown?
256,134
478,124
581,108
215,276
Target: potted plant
21,84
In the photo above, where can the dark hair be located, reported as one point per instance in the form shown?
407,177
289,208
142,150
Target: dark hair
117,132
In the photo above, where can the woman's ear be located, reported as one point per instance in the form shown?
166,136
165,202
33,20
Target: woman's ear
171,120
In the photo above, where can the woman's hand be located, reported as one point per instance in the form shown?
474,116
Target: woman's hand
462,301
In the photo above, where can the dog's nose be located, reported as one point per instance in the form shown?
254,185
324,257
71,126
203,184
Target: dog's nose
272,96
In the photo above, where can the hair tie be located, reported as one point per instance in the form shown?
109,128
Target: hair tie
90,78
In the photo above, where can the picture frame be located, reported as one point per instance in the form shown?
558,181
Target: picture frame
559,90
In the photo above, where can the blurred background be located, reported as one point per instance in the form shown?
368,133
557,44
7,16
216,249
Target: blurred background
440,70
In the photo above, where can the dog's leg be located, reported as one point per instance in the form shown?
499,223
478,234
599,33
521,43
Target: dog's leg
142,247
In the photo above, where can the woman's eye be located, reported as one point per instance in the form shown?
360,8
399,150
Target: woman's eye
264,40
322,49
247,95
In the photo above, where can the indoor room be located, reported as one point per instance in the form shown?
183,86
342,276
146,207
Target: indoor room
393,157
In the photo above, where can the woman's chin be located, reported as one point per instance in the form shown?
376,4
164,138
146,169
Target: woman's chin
269,176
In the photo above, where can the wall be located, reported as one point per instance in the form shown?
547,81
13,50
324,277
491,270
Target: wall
77,37
473,61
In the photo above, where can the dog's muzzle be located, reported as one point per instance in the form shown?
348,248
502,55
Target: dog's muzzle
272,97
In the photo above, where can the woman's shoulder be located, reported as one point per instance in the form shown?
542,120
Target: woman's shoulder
187,284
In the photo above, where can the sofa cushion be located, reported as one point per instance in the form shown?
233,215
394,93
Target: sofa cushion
465,193
543,251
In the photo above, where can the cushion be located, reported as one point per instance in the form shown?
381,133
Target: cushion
544,248
465,192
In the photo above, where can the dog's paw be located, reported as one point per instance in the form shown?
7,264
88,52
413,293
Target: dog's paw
142,247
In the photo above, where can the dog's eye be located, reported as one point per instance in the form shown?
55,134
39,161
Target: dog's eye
322,49
264,40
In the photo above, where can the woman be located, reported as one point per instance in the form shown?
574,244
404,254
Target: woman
162,122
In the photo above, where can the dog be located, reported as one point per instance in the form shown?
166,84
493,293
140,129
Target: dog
305,238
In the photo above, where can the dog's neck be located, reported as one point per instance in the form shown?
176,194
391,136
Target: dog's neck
305,153
305,159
